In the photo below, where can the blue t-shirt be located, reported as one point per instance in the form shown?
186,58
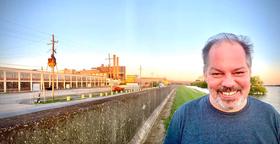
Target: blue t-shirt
200,123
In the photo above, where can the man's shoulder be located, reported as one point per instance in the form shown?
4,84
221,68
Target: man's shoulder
260,105
257,102
265,112
189,109
194,105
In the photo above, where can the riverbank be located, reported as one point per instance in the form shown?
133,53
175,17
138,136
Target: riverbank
272,97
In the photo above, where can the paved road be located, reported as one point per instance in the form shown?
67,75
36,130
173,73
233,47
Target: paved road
12,104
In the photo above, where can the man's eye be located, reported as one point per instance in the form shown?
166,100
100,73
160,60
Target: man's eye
216,74
239,73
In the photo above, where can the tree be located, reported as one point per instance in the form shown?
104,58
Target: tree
257,87
199,83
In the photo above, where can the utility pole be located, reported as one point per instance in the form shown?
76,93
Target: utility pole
52,62
109,65
140,75
114,66
109,71
117,68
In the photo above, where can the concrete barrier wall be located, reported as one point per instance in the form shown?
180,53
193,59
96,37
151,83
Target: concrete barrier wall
115,119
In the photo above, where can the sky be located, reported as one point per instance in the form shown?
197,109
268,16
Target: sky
165,37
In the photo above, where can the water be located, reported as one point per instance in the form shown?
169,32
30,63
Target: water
272,97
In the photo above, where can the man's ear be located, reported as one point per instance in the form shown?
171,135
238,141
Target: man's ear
205,76
250,72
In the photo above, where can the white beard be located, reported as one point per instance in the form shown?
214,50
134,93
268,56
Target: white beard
237,104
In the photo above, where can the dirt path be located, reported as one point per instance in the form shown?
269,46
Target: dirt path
157,133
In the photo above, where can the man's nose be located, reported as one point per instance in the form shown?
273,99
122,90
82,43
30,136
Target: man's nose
228,81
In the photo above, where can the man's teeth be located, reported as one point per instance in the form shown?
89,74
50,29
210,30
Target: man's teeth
229,93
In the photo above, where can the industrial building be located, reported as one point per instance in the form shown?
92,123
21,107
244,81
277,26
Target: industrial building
19,80
113,70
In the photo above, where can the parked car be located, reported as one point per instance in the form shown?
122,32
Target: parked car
117,88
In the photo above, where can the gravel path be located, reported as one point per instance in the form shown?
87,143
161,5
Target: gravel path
157,132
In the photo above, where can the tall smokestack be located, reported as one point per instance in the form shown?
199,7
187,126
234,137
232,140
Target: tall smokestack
114,66
118,68
109,67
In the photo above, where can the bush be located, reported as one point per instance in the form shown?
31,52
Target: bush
201,84
257,87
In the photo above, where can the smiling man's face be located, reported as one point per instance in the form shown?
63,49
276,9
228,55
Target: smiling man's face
228,76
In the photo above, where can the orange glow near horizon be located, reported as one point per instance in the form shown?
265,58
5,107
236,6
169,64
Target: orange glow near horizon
269,76
267,72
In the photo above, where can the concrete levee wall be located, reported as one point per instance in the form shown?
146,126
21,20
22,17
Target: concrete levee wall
114,119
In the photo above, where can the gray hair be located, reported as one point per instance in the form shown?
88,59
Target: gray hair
242,40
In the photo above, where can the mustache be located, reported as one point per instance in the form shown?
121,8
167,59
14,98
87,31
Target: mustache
228,89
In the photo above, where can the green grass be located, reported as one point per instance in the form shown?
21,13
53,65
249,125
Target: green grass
50,100
183,95
64,99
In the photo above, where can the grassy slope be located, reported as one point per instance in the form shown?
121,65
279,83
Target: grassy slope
183,95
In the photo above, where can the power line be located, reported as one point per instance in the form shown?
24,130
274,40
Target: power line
72,43
68,41
19,66
24,32
13,35
19,55
24,26
18,31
